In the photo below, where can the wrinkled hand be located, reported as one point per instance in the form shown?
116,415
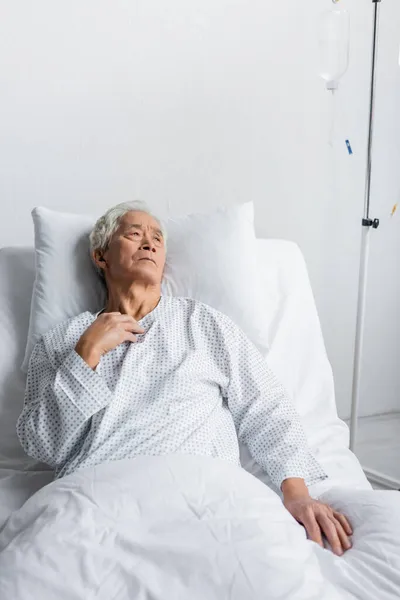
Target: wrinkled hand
104,334
320,519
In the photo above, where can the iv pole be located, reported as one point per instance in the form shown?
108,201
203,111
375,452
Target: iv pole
367,223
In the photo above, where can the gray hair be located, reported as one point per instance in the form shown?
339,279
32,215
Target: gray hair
107,225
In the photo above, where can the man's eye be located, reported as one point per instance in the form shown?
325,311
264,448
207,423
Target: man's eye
134,233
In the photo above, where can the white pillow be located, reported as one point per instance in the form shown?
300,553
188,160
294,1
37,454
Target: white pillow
211,257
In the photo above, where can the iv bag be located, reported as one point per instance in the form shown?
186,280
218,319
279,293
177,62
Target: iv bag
334,46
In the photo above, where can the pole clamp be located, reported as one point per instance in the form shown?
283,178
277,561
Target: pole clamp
374,223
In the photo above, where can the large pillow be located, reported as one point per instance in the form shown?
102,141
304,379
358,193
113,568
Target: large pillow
211,257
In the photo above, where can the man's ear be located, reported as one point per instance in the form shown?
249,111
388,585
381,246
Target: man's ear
99,259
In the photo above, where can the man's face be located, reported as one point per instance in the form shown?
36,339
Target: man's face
136,251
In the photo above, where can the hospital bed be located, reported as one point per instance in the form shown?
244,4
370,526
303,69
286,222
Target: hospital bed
370,570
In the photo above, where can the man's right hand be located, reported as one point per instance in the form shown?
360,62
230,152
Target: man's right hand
108,331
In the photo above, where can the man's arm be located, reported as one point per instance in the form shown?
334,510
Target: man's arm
59,404
268,423
264,415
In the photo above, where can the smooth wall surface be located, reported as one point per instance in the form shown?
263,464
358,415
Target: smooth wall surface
190,104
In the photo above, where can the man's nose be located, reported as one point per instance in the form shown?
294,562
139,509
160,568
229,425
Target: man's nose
147,244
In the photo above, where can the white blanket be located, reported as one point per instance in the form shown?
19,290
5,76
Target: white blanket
190,528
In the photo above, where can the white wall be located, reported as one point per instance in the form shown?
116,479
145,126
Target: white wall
188,104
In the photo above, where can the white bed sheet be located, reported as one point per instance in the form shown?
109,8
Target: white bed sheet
190,527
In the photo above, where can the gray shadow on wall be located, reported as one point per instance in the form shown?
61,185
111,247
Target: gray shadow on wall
17,275
90,286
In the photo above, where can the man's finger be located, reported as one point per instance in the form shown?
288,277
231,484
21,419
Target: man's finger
129,324
344,522
123,318
344,540
313,529
330,533
129,337
133,327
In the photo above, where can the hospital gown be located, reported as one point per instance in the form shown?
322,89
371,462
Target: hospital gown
192,383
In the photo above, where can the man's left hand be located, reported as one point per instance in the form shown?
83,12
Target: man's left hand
320,519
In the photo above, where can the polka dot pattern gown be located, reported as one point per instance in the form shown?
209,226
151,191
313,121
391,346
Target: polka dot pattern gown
192,383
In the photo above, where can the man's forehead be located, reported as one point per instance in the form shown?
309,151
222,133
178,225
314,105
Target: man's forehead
138,217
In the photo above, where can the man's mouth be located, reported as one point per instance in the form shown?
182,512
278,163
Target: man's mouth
147,258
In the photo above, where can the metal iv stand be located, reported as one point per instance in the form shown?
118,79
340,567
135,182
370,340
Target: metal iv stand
367,223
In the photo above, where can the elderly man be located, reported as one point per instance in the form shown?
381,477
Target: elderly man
152,375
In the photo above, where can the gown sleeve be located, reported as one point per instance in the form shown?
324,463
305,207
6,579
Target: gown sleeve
264,415
58,406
